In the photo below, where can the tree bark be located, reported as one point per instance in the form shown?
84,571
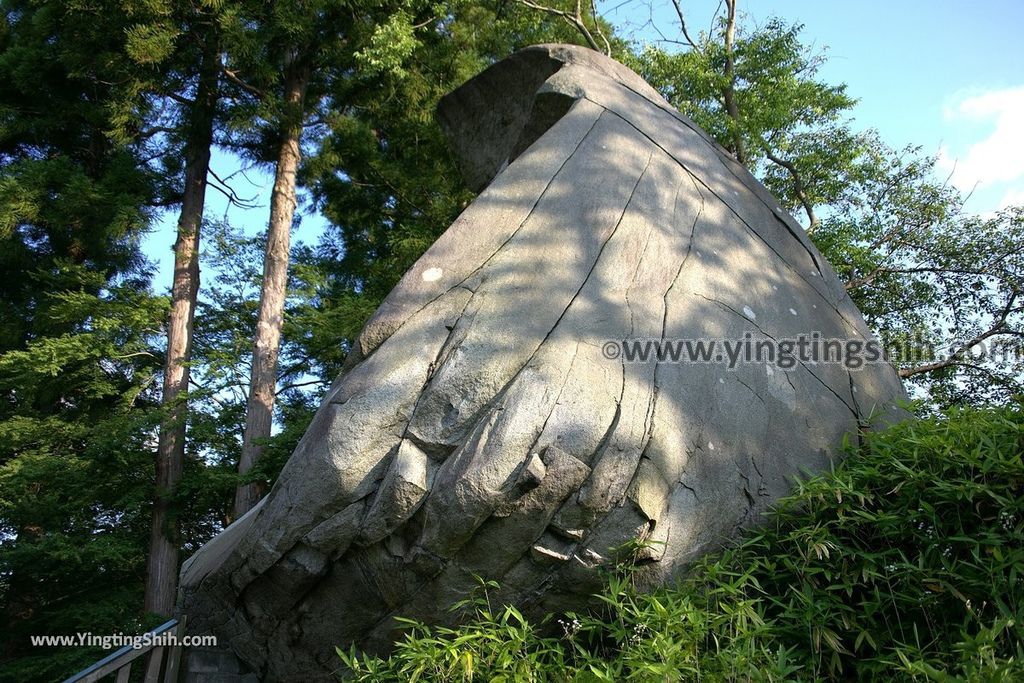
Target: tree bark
259,408
729,91
162,563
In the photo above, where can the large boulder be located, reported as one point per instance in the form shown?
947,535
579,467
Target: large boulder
485,426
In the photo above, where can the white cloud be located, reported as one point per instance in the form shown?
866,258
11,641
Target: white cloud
1013,197
998,158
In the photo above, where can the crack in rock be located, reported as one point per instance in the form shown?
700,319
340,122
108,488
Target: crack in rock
486,423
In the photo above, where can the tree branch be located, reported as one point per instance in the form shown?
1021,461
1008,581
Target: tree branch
156,130
729,91
999,327
597,28
573,19
798,186
883,270
221,186
236,79
296,385
682,26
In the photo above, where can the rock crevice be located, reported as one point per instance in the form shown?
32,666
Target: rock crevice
481,427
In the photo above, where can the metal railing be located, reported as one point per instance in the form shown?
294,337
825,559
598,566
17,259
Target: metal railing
120,661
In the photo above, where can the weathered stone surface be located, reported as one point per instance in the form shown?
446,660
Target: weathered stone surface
478,429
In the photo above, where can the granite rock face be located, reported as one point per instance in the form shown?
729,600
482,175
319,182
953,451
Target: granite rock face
479,427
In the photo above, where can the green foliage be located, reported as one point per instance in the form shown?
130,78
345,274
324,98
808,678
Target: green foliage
151,43
498,646
68,191
382,174
908,556
78,361
224,329
904,563
78,411
927,276
782,104
390,45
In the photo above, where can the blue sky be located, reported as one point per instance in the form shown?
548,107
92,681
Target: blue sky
946,75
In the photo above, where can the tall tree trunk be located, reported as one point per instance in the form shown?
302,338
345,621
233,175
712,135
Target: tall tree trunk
259,408
162,563
729,91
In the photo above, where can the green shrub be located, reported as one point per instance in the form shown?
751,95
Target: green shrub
905,563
